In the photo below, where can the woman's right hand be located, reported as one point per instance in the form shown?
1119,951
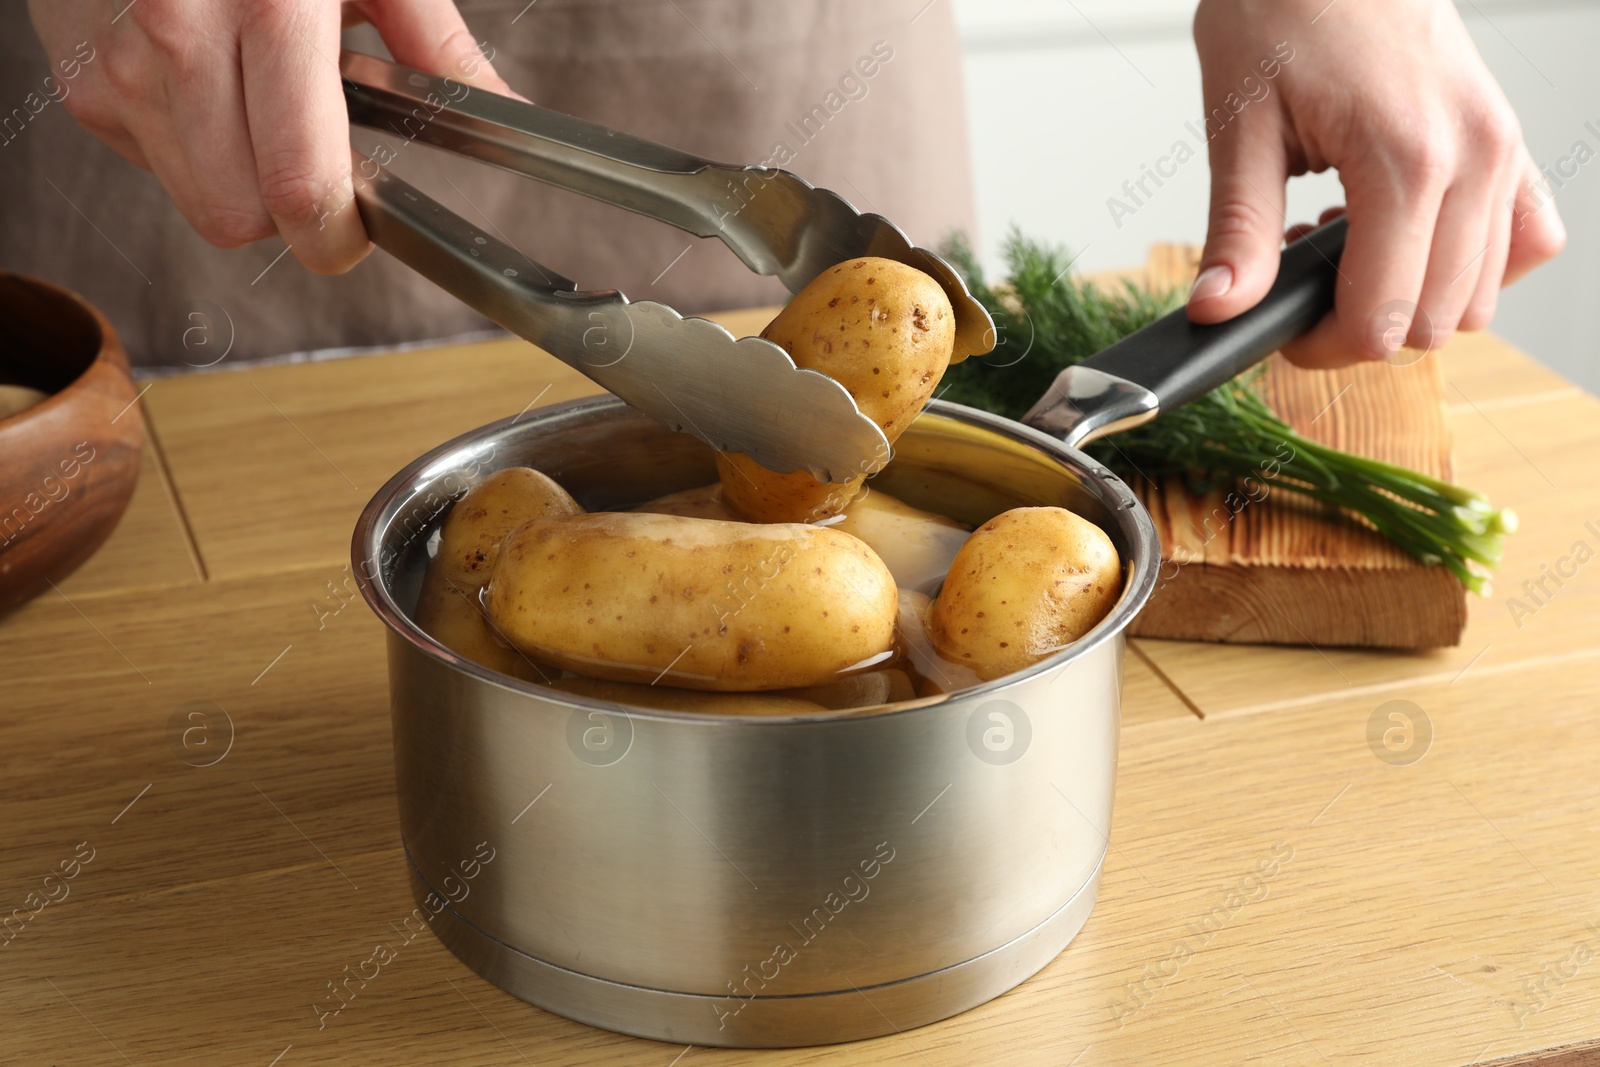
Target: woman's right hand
236,105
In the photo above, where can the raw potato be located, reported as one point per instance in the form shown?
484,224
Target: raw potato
703,503
916,545
1025,584
669,698
448,608
695,603
881,329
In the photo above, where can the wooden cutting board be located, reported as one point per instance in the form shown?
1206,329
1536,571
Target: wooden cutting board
1282,569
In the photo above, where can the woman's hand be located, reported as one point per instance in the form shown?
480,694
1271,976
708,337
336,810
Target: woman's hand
1445,204
236,105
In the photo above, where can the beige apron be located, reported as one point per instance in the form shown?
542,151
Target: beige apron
733,80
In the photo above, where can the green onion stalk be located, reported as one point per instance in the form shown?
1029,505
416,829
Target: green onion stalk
1047,318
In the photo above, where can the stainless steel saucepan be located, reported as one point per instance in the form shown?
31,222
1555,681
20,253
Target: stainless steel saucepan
770,881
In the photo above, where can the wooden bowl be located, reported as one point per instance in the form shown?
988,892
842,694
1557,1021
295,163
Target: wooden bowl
69,463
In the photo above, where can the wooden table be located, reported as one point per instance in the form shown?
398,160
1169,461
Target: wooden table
1443,911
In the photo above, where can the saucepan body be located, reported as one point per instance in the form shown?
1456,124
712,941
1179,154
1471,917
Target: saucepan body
752,881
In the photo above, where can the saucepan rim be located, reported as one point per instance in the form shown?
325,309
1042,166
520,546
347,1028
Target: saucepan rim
1140,569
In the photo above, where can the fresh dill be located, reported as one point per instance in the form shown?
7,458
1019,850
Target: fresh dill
1047,318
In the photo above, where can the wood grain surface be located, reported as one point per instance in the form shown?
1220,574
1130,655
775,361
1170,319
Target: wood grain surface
1436,911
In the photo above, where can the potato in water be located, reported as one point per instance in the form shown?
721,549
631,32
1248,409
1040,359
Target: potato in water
883,330
703,503
934,674
916,545
858,691
1025,584
695,603
469,543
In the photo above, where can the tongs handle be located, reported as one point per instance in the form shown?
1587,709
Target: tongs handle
480,268
651,179
776,222
736,394
488,274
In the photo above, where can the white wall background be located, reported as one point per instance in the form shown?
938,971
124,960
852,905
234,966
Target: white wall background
1067,100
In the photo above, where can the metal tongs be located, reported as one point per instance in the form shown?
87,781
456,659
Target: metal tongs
736,394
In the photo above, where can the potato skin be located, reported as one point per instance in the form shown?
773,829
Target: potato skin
695,603
1025,584
469,542
480,520
883,330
